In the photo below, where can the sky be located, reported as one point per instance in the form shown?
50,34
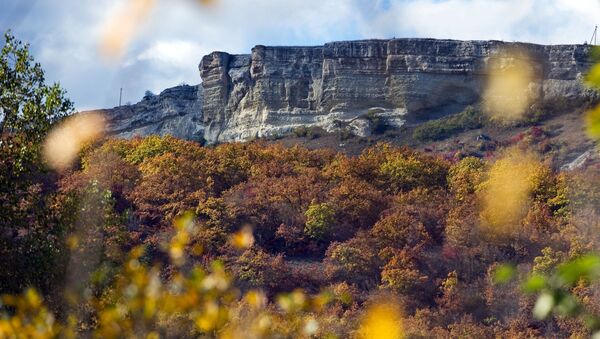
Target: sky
65,35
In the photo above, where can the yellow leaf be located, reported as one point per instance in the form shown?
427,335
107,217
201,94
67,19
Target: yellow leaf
243,239
592,122
382,321
507,96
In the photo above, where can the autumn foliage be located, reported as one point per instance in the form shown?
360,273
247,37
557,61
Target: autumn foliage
389,222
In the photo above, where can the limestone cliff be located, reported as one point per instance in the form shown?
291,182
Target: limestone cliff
176,111
274,89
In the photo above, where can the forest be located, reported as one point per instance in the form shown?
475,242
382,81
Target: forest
162,237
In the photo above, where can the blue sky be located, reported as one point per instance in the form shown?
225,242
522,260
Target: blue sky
64,34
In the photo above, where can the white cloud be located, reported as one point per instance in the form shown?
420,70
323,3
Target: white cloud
476,19
166,51
175,53
539,21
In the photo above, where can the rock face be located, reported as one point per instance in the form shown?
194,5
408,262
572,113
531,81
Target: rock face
275,89
176,111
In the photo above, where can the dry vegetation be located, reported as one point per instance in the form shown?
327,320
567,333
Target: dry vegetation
263,221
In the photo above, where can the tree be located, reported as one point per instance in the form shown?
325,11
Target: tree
171,184
31,235
28,107
464,176
403,170
319,218
278,204
354,261
257,268
357,205
401,274
148,94
399,230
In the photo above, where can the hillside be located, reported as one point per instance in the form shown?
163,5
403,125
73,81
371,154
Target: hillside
320,235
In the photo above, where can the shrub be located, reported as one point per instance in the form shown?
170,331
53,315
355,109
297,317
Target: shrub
401,274
399,230
148,94
408,171
345,134
300,131
155,145
312,132
357,206
319,219
465,175
354,261
446,127
378,124
548,107
257,268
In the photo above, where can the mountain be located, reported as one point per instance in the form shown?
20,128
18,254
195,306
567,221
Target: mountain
273,90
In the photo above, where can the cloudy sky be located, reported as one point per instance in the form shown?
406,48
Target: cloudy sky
168,45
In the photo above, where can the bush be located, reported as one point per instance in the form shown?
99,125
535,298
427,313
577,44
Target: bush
378,125
319,219
300,131
549,107
257,268
312,132
345,134
443,128
408,171
465,175
148,94
354,261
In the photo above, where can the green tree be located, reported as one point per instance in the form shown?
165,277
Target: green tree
30,235
28,106
319,218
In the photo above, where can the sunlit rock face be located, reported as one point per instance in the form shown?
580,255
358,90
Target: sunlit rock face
275,89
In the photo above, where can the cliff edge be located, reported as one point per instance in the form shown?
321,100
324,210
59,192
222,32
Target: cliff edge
276,89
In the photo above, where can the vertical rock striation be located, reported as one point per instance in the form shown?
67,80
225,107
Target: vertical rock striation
275,89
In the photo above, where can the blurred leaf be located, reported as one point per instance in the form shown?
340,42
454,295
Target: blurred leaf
503,98
593,77
586,267
504,273
543,306
65,141
534,284
381,321
122,26
592,123
567,305
243,239
206,2
505,195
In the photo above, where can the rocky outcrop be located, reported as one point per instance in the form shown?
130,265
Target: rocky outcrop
176,111
275,89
